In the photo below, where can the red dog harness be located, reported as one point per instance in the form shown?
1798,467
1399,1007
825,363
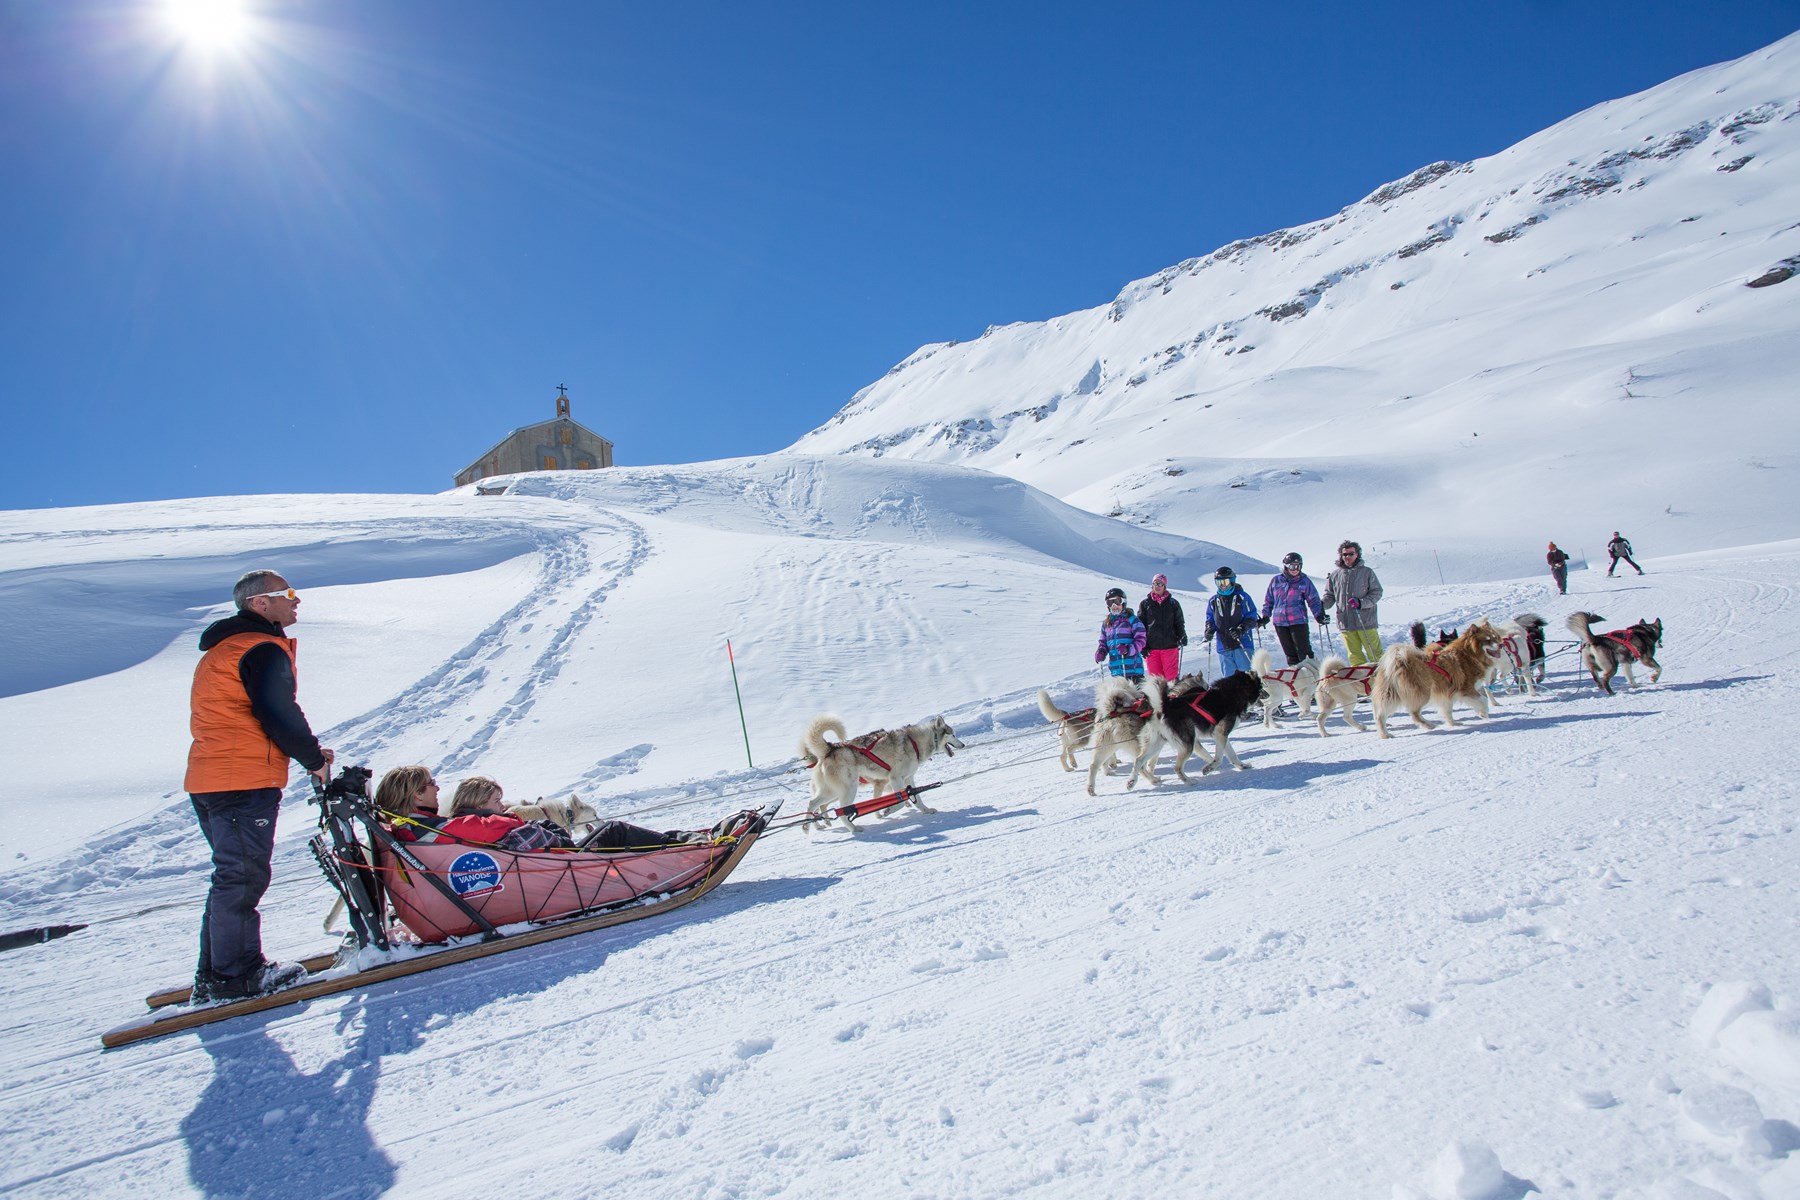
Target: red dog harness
1623,637
1286,677
1360,675
1510,644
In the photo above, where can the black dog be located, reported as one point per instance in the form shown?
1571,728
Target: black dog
1182,715
1606,653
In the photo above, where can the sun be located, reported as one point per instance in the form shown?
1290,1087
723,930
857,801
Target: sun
207,25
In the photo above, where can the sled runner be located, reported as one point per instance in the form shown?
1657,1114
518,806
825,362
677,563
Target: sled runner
458,901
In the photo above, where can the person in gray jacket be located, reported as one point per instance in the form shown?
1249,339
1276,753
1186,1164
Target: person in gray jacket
1353,590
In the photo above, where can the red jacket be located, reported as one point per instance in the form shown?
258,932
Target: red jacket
486,828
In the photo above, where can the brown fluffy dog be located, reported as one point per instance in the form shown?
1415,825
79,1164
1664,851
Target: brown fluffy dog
1411,678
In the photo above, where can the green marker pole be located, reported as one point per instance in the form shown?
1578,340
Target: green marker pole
732,658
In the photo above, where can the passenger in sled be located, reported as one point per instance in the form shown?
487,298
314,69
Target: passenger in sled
478,814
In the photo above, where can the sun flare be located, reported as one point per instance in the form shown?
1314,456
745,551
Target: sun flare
210,25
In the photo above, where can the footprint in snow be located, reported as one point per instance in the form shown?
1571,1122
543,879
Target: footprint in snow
1216,953
852,1033
751,1047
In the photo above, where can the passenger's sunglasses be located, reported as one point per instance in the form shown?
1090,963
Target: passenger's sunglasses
285,593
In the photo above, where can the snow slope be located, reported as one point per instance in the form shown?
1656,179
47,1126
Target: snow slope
1575,316
1553,950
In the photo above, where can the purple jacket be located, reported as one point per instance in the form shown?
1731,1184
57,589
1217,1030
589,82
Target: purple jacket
1288,600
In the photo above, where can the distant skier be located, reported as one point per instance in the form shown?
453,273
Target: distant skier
1231,622
1122,638
1291,594
1620,548
1165,630
1559,569
1354,590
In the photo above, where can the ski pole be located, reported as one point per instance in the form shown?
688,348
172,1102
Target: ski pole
732,659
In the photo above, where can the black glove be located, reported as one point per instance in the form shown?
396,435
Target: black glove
1324,618
1182,643
1229,641
1263,622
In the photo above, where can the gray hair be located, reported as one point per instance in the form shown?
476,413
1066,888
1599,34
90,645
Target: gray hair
254,583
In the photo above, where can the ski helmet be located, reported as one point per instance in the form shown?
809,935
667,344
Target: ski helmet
1224,573
1115,594
1291,559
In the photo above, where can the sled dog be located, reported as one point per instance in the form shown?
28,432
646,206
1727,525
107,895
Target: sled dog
887,758
1120,714
1072,729
1410,678
1184,712
1340,687
1521,651
1298,683
1604,654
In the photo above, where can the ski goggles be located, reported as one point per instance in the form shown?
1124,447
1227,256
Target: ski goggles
283,594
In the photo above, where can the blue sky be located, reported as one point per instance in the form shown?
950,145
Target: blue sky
355,250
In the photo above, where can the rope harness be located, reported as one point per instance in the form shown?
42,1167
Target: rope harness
1286,677
1362,675
1624,638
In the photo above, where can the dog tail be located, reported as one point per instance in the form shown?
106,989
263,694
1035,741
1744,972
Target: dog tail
1530,622
1418,634
1156,693
1047,706
813,744
1259,662
1336,664
1113,695
1581,625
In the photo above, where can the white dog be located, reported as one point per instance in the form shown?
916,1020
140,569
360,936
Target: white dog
888,758
1121,717
1340,687
1297,683
567,813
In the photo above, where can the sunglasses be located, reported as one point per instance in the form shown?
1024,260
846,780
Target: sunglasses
285,593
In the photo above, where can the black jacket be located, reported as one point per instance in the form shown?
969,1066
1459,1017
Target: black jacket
267,674
1164,626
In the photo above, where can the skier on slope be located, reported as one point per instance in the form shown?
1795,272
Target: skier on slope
1231,622
1122,639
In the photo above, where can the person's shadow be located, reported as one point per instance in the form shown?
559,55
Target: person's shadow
267,1129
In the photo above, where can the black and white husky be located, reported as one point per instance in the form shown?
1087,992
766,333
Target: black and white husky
888,758
1606,653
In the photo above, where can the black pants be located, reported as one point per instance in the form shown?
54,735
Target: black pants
240,829
1296,643
623,835
1627,558
1560,573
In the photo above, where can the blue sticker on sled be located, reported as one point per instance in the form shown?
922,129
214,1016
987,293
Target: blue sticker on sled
475,874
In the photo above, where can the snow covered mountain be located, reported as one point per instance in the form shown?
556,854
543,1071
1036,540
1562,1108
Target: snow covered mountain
1535,328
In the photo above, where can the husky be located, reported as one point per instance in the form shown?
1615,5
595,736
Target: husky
1410,678
1073,729
1340,687
1604,654
888,758
1187,710
1297,683
1522,651
568,813
1121,712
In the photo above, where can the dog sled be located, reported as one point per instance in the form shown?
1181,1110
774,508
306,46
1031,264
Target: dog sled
455,901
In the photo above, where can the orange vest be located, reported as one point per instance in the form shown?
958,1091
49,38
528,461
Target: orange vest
231,752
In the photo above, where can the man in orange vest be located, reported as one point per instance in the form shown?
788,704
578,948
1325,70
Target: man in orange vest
246,725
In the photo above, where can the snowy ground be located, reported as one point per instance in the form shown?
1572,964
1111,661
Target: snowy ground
1554,950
